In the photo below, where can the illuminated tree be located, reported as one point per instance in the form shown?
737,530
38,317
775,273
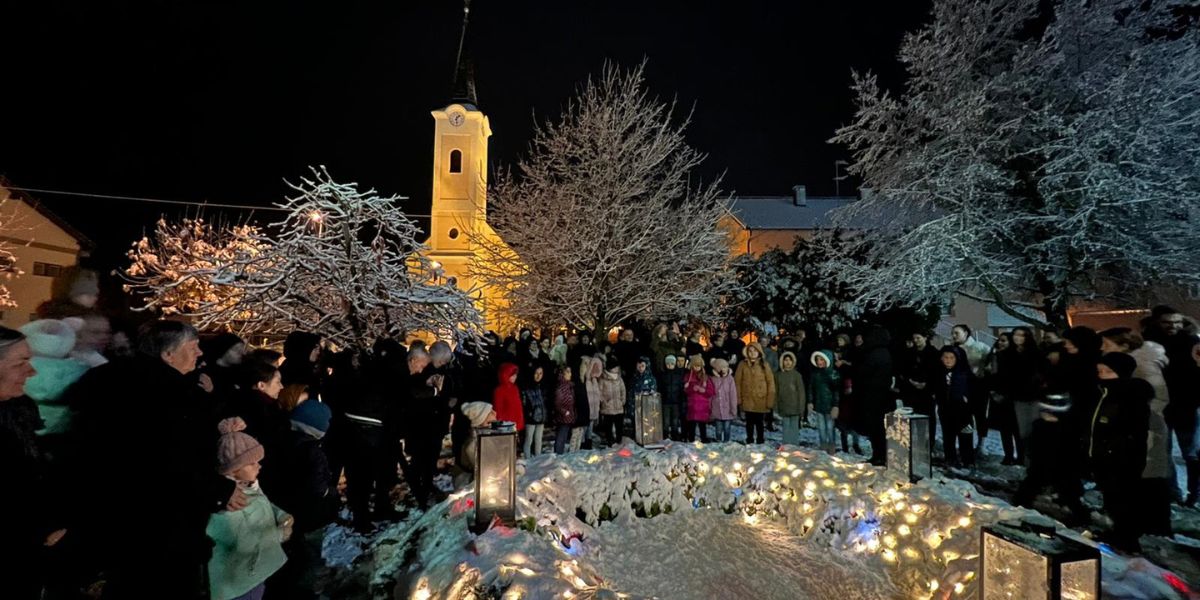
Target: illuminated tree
604,222
344,264
175,262
1041,152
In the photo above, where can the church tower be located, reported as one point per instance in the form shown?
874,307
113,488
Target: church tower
460,150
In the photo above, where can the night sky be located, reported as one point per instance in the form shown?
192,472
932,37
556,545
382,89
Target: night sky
222,101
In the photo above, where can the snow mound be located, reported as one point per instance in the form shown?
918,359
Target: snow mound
702,521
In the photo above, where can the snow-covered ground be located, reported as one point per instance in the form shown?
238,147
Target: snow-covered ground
700,521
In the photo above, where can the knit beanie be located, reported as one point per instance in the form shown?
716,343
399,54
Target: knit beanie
1122,364
313,413
670,360
720,364
612,363
236,449
696,362
477,412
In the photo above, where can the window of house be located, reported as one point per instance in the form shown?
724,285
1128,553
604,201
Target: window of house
46,269
456,161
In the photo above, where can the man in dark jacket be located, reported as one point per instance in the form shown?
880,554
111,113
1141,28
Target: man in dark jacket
917,379
1116,443
24,505
670,384
427,416
873,384
373,425
144,418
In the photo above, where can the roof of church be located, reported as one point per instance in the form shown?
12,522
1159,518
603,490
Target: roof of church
781,212
463,86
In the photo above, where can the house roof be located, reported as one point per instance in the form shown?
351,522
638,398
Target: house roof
53,217
780,212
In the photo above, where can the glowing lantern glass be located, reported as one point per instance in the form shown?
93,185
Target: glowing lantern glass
908,445
647,422
1033,561
495,475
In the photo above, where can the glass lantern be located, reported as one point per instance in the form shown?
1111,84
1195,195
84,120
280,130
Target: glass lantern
647,421
495,475
1032,561
908,445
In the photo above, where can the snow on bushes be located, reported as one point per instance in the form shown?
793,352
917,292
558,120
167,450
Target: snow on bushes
700,519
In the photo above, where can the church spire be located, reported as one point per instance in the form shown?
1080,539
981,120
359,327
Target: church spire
464,72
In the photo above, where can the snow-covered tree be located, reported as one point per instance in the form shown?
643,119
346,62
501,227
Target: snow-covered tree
8,261
343,263
603,221
790,289
175,261
1041,153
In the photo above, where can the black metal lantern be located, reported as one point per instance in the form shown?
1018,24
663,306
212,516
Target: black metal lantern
1032,561
647,419
908,445
495,475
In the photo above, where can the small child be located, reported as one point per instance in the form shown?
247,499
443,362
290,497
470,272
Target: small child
533,403
824,384
671,388
247,543
565,419
698,387
506,398
478,414
725,402
612,401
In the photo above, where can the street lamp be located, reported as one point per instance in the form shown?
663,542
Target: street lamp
908,449
495,475
647,418
1031,561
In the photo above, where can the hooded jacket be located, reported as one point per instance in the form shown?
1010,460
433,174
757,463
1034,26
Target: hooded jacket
725,401
699,391
643,383
51,342
564,404
755,382
593,369
789,389
1151,361
612,393
247,546
670,384
506,398
824,384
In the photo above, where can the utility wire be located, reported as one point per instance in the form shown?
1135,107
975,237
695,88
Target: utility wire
159,200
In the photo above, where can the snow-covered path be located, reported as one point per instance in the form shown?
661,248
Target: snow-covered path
709,554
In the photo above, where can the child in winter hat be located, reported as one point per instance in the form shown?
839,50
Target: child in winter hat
247,543
51,342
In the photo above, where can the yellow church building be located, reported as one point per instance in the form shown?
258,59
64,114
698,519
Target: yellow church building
458,212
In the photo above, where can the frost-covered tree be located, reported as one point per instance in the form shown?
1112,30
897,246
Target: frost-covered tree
8,261
790,288
1041,153
343,263
603,221
175,261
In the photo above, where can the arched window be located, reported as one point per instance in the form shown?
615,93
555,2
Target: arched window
456,161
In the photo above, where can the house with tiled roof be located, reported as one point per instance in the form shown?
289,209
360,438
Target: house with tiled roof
760,223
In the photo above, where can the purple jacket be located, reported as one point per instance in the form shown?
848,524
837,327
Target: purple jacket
725,403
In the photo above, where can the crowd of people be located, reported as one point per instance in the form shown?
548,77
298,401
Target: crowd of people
172,465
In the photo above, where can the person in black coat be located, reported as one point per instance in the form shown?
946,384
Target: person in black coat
25,515
427,417
224,354
921,365
301,357
670,384
1116,443
370,436
255,401
144,415
873,385
952,391
1177,335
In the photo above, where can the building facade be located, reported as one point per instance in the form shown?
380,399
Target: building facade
41,244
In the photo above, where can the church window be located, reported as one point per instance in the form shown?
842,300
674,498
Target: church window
453,233
456,161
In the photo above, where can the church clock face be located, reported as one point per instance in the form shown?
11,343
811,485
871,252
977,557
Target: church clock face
456,119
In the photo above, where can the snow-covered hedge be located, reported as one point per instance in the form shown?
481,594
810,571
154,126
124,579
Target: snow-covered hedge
582,513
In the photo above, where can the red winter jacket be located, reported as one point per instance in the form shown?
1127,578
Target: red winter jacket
506,399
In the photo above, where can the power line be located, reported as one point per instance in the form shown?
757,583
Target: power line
159,200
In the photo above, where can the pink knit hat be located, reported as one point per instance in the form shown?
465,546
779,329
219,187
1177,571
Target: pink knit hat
236,449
